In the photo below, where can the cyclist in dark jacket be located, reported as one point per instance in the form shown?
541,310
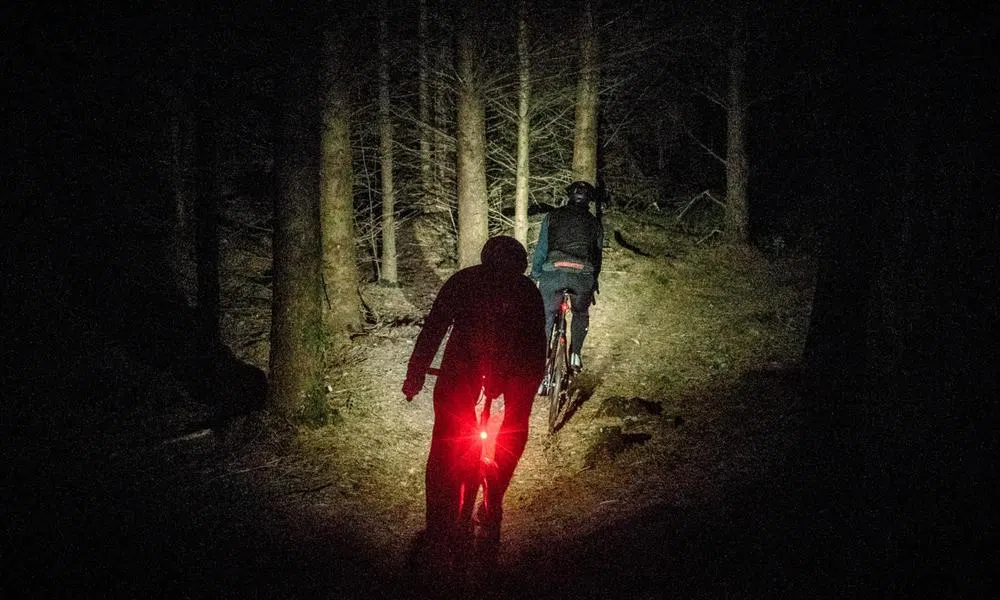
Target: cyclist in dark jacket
568,255
496,319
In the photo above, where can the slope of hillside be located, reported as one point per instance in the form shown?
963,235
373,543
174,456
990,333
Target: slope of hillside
676,470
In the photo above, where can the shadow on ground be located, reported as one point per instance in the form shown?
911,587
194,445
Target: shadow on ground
87,515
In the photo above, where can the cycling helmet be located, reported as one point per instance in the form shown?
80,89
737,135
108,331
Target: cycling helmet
504,253
580,192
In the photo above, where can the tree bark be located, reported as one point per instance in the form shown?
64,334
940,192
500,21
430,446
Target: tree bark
423,93
342,305
207,230
294,384
183,259
473,208
523,128
443,148
585,138
388,273
737,162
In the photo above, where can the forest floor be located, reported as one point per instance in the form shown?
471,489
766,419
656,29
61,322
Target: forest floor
685,469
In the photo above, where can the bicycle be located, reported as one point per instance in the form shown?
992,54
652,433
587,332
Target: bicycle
558,372
480,517
489,417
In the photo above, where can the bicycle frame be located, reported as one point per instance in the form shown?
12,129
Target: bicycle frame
561,327
487,431
489,426
489,419
558,374
488,422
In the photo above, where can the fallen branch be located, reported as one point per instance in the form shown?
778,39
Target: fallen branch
312,490
188,437
266,465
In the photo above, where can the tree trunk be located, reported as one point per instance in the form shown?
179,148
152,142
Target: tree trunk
388,273
423,93
207,232
183,259
473,208
737,163
442,147
523,128
294,385
342,305
585,139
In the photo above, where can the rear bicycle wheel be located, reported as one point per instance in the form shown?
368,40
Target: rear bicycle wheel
557,384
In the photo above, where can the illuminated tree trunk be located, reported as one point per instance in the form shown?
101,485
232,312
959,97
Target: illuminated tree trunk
737,162
523,128
424,99
389,272
342,305
585,139
473,208
296,313
442,146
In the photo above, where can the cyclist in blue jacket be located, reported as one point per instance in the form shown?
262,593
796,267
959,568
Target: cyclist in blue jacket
568,255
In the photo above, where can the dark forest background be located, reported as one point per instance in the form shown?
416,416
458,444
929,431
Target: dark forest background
881,162
876,157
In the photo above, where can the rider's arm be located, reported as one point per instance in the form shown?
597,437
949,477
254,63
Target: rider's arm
435,326
541,250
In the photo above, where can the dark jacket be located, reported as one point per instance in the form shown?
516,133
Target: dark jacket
569,233
498,328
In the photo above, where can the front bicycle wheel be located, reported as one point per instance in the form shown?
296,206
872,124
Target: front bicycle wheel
557,384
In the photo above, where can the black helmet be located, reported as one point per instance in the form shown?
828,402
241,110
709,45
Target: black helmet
580,192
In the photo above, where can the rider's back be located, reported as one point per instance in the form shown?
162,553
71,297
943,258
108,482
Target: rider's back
574,234
497,324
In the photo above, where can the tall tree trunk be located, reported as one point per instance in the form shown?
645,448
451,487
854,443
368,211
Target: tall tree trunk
294,385
388,273
523,128
473,208
183,259
207,232
442,147
585,139
342,305
423,93
896,280
737,163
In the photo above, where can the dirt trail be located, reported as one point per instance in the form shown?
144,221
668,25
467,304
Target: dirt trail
670,475
677,333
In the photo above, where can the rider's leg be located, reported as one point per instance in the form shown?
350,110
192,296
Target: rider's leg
511,440
451,462
584,286
549,285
